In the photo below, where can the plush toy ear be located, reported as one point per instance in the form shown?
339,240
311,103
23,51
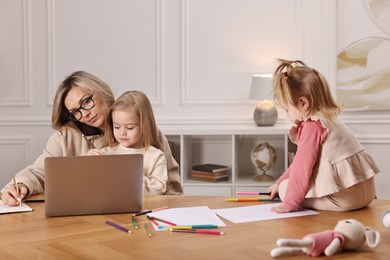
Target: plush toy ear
373,237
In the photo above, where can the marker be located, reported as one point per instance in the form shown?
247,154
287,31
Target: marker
149,211
148,230
205,226
251,199
208,232
118,227
135,224
252,193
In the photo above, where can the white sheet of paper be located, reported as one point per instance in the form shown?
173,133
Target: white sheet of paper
188,216
13,209
258,213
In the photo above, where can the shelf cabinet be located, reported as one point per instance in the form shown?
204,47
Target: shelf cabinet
229,145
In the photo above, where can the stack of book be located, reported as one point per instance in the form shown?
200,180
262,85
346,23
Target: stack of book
210,172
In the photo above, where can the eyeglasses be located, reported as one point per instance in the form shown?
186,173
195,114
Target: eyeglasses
86,104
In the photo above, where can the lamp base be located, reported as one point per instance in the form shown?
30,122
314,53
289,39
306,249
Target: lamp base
265,116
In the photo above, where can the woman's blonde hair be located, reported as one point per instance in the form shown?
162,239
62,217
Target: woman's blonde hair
85,80
293,79
137,104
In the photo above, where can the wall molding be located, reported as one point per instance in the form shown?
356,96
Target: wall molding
12,122
46,121
374,139
24,140
185,99
50,52
25,100
160,57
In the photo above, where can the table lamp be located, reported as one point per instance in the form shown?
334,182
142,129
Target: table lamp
265,113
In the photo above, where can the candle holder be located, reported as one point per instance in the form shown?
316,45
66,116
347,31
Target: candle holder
265,113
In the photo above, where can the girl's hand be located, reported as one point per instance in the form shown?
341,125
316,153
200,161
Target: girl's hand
10,197
273,190
279,209
95,152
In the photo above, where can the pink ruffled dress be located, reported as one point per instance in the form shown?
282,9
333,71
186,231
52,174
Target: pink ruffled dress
329,159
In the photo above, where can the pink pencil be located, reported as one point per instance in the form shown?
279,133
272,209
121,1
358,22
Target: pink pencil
198,231
252,193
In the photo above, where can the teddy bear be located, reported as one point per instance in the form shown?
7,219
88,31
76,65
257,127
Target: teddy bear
348,234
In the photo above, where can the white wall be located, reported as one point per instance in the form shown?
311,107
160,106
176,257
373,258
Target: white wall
193,58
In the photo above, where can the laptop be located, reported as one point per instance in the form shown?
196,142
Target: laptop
88,185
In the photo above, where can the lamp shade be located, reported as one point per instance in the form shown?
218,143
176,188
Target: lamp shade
261,87
265,113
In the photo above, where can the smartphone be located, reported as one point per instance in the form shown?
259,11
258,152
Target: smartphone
87,130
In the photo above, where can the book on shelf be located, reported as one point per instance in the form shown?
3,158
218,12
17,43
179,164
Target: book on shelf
209,176
209,167
211,179
202,173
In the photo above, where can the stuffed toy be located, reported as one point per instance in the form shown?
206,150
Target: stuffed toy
348,234
386,218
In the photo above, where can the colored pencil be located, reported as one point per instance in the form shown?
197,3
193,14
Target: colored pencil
252,193
148,230
164,221
205,226
251,199
17,191
118,227
198,231
149,211
152,220
135,224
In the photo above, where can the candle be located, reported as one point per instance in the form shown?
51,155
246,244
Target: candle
265,104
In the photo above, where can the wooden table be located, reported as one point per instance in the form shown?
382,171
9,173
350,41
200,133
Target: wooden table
31,235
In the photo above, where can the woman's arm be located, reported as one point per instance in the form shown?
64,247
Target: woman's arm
32,178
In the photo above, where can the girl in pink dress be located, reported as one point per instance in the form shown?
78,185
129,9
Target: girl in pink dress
331,169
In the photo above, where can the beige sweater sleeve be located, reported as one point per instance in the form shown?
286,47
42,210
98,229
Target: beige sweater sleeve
155,171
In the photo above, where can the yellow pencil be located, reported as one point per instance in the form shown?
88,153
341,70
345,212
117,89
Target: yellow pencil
17,190
148,230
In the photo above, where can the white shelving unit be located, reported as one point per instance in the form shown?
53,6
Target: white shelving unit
226,145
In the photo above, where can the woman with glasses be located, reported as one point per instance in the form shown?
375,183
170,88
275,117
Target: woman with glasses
80,107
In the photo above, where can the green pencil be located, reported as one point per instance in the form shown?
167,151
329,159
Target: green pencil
134,222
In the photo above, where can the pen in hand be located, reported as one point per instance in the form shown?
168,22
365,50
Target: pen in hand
17,191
